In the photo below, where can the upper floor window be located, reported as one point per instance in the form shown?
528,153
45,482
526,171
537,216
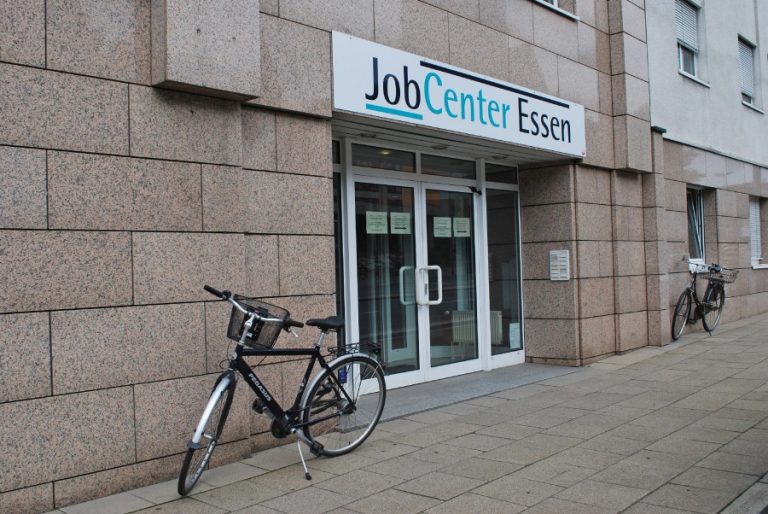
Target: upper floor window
695,224
747,71
687,21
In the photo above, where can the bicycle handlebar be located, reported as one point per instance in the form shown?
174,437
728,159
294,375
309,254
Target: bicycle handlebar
227,295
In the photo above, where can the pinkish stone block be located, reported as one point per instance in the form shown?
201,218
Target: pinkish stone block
170,267
593,222
552,339
64,270
313,155
83,340
598,336
596,297
22,188
513,17
630,294
550,299
595,259
22,32
207,47
578,83
532,67
240,200
112,481
600,151
466,37
42,108
536,258
593,185
117,193
104,40
168,411
542,186
536,222
628,223
25,354
555,32
412,26
64,436
353,17
307,265
594,48
259,145
630,257
290,50
632,331
184,127
261,266
38,498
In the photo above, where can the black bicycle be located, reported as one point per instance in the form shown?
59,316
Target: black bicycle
710,309
332,415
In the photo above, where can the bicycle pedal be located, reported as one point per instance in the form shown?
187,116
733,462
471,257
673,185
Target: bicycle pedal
258,406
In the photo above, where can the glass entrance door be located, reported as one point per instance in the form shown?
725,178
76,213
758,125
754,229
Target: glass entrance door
416,277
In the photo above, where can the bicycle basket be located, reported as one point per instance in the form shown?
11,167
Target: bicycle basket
725,275
262,334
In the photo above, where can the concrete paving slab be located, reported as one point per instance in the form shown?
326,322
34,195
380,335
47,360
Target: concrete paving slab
754,499
470,502
116,504
602,494
440,485
183,506
518,490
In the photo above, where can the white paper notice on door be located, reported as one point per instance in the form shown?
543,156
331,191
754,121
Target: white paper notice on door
441,227
461,227
376,222
400,222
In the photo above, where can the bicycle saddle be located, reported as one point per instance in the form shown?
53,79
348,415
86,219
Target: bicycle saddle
329,323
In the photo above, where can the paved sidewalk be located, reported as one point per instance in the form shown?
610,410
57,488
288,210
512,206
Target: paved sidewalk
661,430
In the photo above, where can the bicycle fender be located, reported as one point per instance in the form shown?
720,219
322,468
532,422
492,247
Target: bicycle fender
222,383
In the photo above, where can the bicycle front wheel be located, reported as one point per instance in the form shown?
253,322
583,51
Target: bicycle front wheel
680,318
714,300
210,426
344,404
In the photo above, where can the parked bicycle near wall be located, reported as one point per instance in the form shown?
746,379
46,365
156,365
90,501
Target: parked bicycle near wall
332,415
709,309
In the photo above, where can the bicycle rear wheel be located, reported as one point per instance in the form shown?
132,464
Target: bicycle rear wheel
213,419
340,420
714,300
680,318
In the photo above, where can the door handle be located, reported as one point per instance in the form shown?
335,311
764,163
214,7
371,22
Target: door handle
439,299
422,293
403,301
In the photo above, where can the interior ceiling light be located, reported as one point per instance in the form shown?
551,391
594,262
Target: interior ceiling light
440,147
385,151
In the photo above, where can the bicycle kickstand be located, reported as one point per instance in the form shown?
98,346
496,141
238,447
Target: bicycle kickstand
301,437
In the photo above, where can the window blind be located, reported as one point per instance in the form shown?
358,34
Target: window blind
754,229
687,24
747,68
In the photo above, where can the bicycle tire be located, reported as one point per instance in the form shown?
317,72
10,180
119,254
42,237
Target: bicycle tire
331,421
714,300
680,318
198,455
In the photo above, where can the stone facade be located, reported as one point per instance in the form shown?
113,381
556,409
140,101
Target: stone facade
120,199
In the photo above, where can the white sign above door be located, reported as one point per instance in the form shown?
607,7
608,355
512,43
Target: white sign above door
376,80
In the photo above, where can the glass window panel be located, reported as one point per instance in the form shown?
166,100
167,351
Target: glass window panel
339,245
500,173
383,158
336,152
386,260
687,60
447,167
504,272
695,223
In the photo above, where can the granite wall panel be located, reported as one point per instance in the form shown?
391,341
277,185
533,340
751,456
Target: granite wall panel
64,270
184,127
22,32
173,267
290,50
48,109
83,37
64,436
22,188
25,356
412,26
135,342
93,192
237,200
